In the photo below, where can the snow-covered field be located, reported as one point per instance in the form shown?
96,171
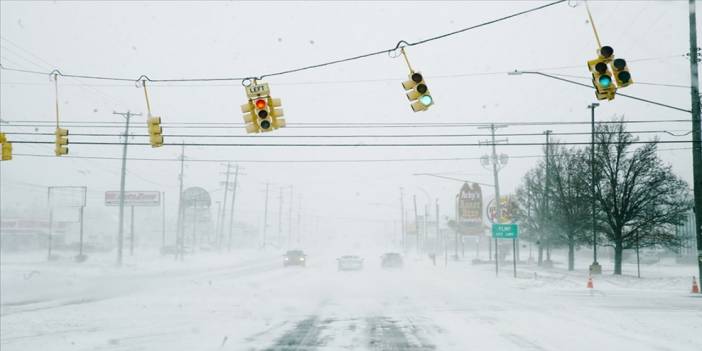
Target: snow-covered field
248,301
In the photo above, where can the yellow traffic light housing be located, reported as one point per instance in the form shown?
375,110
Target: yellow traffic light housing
418,92
601,76
61,141
155,131
6,148
261,113
621,73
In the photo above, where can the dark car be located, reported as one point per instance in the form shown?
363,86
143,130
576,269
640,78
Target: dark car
391,260
294,258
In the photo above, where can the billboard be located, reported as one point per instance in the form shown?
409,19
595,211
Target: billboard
134,198
507,207
470,204
67,196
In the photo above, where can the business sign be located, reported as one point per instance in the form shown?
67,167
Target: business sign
67,196
470,204
505,231
507,210
134,198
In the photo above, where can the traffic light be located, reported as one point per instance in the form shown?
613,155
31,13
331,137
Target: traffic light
262,113
61,141
601,76
276,113
6,148
418,92
621,73
155,130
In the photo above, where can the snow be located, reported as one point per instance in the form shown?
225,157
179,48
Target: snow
247,300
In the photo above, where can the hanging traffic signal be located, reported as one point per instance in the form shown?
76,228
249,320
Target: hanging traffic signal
261,113
61,141
601,76
621,73
276,113
418,92
155,131
6,148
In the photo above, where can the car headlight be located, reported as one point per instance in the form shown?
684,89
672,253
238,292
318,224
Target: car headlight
302,258
286,258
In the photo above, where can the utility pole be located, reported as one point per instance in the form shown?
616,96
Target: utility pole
595,267
290,217
498,207
402,218
220,234
299,218
547,188
163,219
265,218
231,210
280,217
120,236
131,232
179,231
696,132
416,220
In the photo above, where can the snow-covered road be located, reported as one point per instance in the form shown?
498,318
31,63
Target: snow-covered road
253,303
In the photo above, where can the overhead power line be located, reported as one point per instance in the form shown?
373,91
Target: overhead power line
297,161
400,44
279,136
339,144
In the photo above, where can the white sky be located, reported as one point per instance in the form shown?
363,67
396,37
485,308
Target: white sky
215,39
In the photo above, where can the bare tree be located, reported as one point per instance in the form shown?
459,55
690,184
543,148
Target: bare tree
639,198
530,212
570,199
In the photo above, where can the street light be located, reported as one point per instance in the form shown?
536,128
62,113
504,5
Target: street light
595,267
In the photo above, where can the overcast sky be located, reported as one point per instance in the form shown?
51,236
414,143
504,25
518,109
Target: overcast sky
234,39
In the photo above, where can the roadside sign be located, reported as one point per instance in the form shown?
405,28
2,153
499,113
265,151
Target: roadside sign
134,198
67,196
470,204
505,231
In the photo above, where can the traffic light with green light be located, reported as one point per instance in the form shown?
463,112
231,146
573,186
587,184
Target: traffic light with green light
418,92
601,76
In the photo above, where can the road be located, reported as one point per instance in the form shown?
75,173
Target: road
260,305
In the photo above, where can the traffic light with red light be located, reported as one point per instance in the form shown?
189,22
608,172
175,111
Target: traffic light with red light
262,113
418,92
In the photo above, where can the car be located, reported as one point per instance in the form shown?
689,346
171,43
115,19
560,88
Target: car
391,260
294,258
349,263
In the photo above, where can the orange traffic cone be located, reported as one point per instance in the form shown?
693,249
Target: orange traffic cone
589,282
695,288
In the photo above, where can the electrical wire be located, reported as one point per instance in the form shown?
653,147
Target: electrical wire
400,44
277,136
297,161
343,144
219,125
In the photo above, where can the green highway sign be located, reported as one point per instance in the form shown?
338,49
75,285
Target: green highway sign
505,231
